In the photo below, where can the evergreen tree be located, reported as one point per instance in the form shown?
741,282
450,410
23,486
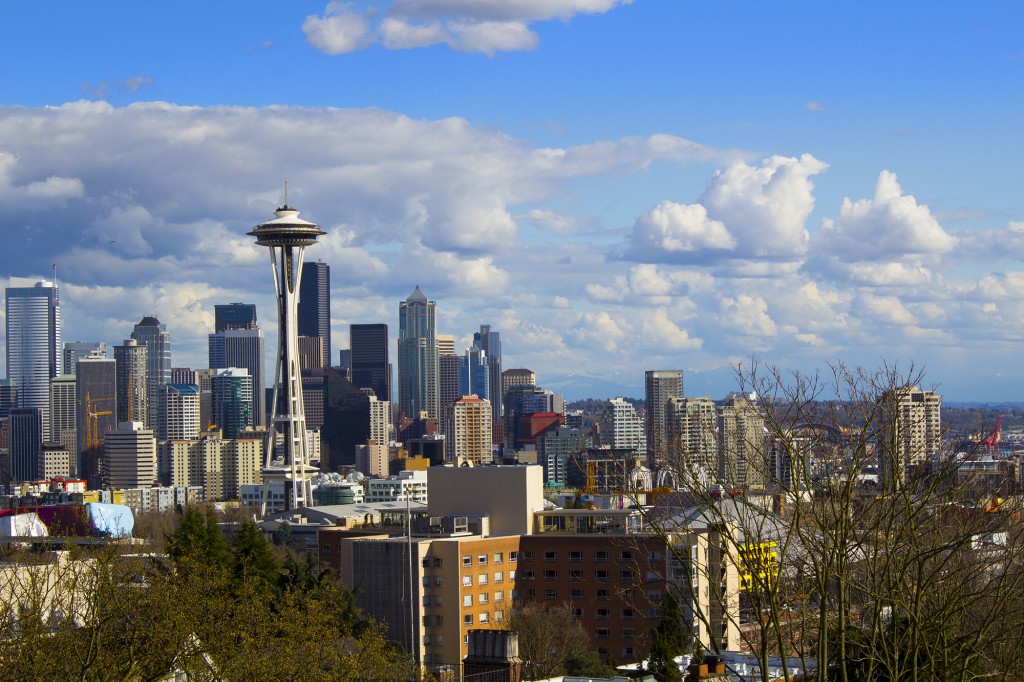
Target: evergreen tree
198,539
253,558
669,641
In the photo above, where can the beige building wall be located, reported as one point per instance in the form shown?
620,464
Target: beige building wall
509,495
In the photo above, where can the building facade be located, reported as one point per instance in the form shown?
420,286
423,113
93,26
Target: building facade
132,381
242,348
660,386
96,413
154,336
315,305
417,357
33,326
468,431
233,408
129,456
489,342
371,367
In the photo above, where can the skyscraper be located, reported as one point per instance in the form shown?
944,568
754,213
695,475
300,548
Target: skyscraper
26,428
474,374
179,405
448,364
371,367
742,442
417,356
315,305
129,456
132,381
232,401
490,343
468,431
228,316
911,431
96,399
33,342
242,348
79,349
150,333
661,385
63,412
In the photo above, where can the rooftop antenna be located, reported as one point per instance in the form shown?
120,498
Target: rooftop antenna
285,192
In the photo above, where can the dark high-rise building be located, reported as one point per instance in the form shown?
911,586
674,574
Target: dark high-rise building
26,443
33,342
96,413
242,348
8,397
315,305
234,316
132,382
490,343
150,333
232,401
417,357
370,366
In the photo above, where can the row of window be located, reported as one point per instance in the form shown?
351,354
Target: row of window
600,575
482,579
498,617
482,598
481,559
599,555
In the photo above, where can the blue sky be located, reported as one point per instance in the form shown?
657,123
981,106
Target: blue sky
615,186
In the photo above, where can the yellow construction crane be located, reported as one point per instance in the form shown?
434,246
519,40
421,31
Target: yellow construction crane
92,420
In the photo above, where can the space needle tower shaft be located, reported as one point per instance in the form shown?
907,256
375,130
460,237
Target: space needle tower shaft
287,236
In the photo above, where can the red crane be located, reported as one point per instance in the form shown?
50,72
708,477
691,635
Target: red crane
992,440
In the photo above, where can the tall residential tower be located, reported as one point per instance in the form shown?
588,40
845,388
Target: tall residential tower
417,356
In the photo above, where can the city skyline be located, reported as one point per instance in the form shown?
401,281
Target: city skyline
800,183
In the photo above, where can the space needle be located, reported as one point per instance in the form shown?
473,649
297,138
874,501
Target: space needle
287,236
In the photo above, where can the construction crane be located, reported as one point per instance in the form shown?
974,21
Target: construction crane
991,441
92,417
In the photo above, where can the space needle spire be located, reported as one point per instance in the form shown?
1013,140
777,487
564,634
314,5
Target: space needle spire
287,237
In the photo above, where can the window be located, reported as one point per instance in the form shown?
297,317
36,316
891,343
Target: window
482,560
550,556
527,555
628,614
499,596
482,599
483,618
654,556
602,594
481,579
497,557
551,593
575,555
530,593
498,577
627,575
467,581
513,556
437,600
600,555
601,575
575,593
326,549
602,633
467,600
654,595
467,619
426,600
575,574
512,576
577,613
425,563
467,561
602,614
499,616
437,562
628,652
626,555
527,574
628,633
550,574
